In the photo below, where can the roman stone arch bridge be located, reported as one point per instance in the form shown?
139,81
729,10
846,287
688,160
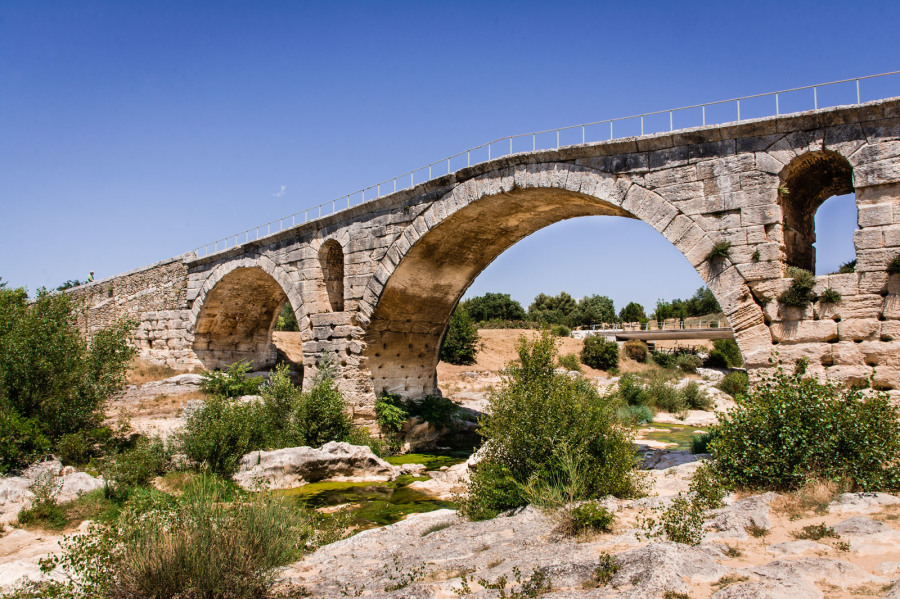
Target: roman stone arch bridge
376,283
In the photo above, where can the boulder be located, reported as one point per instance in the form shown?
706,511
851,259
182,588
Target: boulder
733,520
666,566
296,466
861,503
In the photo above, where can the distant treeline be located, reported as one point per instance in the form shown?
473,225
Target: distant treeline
563,309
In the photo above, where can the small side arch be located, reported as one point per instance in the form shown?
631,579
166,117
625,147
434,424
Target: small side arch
806,182
331,259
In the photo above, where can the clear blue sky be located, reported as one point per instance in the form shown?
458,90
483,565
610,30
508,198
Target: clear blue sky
134,131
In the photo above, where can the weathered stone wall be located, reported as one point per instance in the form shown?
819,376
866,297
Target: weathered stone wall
410,256
155,297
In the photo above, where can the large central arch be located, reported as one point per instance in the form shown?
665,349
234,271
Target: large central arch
462,233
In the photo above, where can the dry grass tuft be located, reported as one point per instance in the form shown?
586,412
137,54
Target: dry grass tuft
143,371
812,499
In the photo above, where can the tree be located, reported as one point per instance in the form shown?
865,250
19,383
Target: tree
552,309
633,312
461,341
704,302
69,284
52,381
593,309
494,306
287,320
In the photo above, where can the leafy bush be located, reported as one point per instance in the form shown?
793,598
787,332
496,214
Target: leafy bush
591,516
790,429
74,448
391,415
800,293
548,309
599,353
735,383
719,251
494,306
287,319
460,344
200,545
52,382
570,362
433,409
44,511
700,443
636,350
21,441
696,398
231,382
730,350
135,467
633,312
846,268
831,296
663,359
220,432
635,415
321,414
560,330
688,362
537,422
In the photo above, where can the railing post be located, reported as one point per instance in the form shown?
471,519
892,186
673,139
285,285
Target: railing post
378,191
704,115
857,92
557,139
429,172
815,97
533,143
489,151
671,121
739,109
411,179
610,131
468,158
448,166
510,146
348,200
777,111
642,124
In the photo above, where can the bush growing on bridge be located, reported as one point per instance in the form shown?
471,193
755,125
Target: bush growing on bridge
538,421
52,382
599,353
790,430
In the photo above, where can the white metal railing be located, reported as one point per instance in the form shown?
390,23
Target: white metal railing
711,113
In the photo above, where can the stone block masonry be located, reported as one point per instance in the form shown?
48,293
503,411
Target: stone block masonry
375,284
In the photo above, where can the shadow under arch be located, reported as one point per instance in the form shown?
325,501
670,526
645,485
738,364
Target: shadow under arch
413,309
236,319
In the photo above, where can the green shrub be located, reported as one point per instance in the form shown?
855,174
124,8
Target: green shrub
74,448
570,362
700,443
800,293
606,569
321,415
664,359
731,352
719,251
494,306
52,382
846,268
201,545
537,422
636,350
433,409
790,429
591,516
682,521
135,467
21,440
44,511
831,296
735,383
218,433
664,396
560,330
632,391
231,382
634,415
599,353
460,344
391,415
696,398
287,319
688,362
815,532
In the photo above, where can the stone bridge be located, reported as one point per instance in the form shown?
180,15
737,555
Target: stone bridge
375,284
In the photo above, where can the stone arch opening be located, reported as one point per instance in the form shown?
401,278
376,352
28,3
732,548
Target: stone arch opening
331,259
237,318
412,313
806,183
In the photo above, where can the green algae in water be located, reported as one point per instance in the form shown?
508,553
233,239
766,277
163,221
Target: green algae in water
679,434
378,504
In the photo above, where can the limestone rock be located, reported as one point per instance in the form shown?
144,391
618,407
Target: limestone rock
796,547
733,520
665,566
860,525
295,466
862,503
836,572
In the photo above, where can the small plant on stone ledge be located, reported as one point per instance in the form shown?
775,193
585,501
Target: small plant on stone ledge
893,266
830,296
800,293
783,191
846,268
719,251
755,257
